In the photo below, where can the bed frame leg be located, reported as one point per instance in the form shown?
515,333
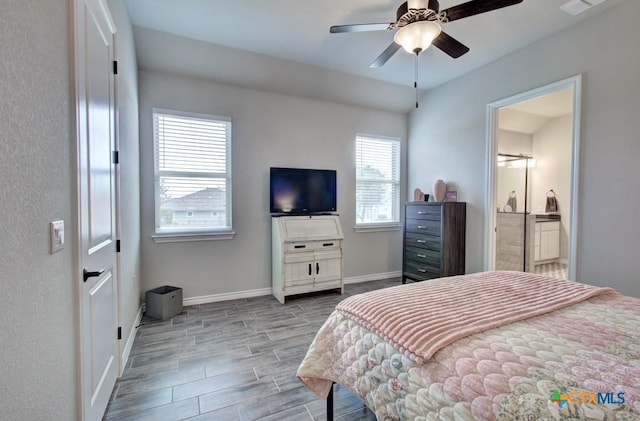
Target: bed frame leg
330,404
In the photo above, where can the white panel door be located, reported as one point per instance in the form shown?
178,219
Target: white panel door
97,205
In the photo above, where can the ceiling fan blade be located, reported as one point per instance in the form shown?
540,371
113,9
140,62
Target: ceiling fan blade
450,45
385,56
475,7
360,27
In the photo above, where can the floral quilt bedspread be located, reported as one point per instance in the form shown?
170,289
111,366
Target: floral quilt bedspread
579,362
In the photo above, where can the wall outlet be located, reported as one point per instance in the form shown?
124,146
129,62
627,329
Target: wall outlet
57,236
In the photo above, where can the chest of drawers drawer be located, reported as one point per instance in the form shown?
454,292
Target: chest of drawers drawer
430,213
423,241
428,257
419,272
423,226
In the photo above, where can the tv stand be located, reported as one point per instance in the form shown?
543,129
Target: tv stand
306,254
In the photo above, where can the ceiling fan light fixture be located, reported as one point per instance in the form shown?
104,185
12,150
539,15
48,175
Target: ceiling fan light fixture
417,36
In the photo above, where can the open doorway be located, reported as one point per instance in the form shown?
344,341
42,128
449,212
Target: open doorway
532,185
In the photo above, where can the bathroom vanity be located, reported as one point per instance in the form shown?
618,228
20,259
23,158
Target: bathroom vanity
522,241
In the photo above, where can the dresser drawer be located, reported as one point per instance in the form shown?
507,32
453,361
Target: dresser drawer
432,213
423,241
303,246
419,271
423,226
422,256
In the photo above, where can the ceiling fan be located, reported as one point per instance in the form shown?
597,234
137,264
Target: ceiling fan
418,25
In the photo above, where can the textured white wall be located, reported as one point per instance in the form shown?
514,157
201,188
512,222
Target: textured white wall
447,137
268,130
37,329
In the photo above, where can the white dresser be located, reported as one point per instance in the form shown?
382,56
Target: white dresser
306,254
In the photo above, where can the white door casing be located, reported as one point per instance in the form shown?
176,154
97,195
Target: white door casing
96,230
575,83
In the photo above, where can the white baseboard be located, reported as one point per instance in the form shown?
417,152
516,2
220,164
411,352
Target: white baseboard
372,277
227,296
129,344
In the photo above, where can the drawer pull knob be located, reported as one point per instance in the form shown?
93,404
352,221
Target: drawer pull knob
299,247
422,270
422,256
421,213
421,241
327,244
422,227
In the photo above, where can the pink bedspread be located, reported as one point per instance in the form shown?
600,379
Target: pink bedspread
421,318
554,366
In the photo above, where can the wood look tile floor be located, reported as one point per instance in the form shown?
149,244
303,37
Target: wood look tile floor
232,360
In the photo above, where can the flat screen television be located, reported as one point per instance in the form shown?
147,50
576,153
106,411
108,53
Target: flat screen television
302,191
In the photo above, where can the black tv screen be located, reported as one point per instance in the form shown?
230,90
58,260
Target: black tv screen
300,190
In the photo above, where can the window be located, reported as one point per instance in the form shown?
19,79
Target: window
192,173
377,181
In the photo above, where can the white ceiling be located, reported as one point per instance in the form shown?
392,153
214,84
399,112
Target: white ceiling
298,30
529,116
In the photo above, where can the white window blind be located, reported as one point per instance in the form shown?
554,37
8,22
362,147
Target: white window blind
377,180
192,172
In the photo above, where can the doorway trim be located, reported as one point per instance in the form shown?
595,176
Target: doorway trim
574,82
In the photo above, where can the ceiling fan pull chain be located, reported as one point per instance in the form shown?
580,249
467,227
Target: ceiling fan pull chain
415,82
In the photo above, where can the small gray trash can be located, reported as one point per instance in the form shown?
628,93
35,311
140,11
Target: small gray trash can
163,302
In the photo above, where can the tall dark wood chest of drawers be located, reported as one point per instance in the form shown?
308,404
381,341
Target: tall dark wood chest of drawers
434,240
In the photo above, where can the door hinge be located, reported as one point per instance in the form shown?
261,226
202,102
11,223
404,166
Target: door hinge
119,332
116,157
115,67
117,246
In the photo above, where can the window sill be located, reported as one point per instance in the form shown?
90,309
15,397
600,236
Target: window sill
378,227
193,236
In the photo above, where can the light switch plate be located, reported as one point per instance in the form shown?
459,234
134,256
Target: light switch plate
57,236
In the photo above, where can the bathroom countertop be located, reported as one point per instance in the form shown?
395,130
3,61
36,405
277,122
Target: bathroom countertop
539,217
542,217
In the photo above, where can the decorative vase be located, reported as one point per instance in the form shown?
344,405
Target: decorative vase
418,196
439,190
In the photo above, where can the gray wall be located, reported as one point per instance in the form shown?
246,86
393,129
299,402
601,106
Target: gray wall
268,130
167,53
37,305
38,324
450,129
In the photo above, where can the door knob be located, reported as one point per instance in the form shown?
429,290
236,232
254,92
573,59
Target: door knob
86,274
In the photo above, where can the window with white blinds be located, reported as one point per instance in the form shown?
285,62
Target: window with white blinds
192,172
377,180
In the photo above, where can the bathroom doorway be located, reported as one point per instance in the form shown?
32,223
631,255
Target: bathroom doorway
532,185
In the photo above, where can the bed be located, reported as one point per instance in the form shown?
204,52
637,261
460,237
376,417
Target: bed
486,346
